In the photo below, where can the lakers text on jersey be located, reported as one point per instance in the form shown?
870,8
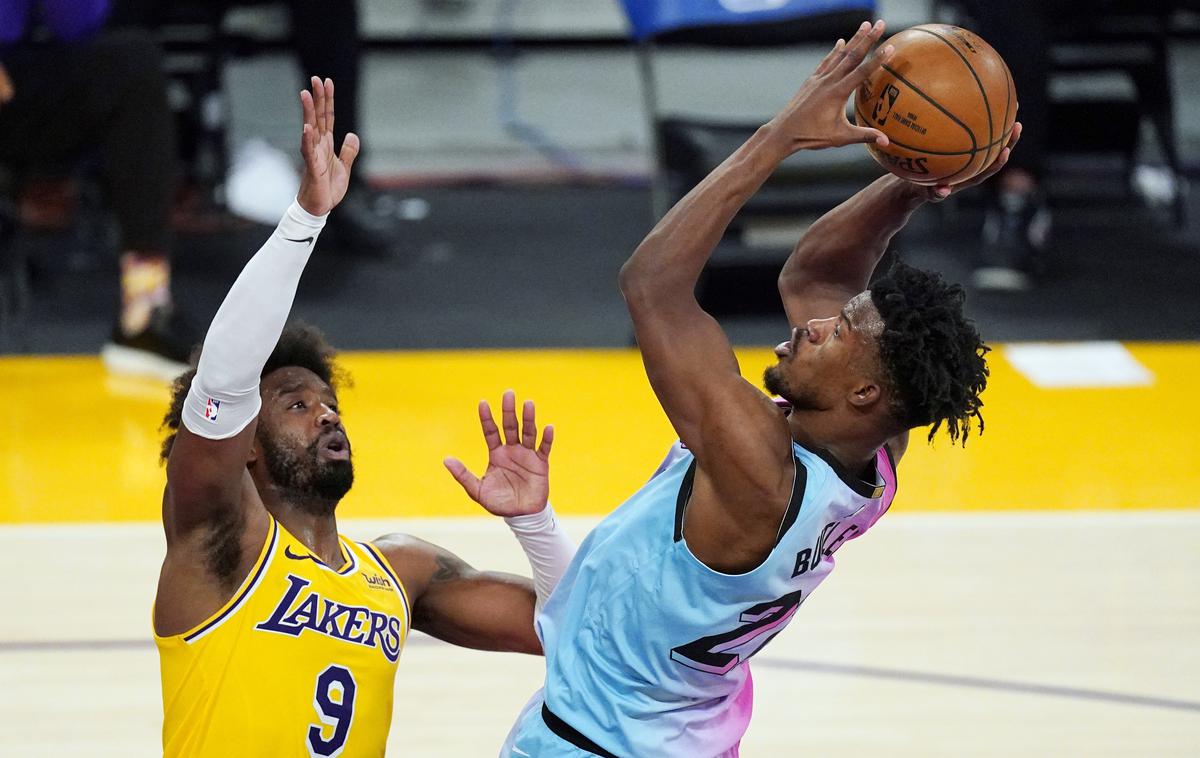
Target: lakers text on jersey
300,662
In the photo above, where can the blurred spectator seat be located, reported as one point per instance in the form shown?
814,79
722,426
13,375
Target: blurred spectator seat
14,270
199,39
686,147
1111,70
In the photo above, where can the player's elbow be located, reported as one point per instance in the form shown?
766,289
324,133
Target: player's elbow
632,280
642,283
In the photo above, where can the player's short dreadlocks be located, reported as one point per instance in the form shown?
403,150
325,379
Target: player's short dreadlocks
300,345
930,351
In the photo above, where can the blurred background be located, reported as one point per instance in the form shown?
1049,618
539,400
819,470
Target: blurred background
1035,591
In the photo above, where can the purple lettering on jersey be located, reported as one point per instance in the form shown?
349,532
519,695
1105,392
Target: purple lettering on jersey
297,612
378,624
352,626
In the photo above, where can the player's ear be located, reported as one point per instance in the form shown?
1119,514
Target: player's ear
864,393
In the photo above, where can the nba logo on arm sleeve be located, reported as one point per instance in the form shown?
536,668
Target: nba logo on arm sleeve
211,409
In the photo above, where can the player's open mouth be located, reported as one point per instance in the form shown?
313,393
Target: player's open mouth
337,447
784,349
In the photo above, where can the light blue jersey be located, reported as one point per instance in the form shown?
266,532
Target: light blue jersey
647,648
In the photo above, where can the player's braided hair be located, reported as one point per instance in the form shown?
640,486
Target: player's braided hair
299,345
930,351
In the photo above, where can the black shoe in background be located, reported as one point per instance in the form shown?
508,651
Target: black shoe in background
162,350
1015,231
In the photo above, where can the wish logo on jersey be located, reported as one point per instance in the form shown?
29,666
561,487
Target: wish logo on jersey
299,610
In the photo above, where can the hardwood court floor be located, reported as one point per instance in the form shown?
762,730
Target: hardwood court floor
1031,634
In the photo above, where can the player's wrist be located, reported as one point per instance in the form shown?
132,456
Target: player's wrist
298,212
530,523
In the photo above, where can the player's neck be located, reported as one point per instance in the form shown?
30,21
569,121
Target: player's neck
314,524
852,444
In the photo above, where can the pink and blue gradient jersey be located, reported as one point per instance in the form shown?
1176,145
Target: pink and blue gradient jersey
647,649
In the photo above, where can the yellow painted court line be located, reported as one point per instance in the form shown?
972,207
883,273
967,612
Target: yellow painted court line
78,445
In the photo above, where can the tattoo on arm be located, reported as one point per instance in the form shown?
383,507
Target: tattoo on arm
450,567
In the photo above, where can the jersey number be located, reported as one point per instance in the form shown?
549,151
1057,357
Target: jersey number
763,622
334,701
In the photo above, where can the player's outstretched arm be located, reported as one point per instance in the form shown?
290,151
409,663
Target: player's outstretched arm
516,486
207,463
729,425
484,610
835,258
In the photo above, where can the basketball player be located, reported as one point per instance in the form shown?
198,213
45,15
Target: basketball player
648,635
277,635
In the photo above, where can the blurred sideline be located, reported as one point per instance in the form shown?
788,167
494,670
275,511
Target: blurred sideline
1069,427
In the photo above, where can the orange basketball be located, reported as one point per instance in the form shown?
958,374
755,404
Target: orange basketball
946,101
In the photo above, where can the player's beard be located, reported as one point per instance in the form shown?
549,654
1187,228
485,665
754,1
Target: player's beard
775,382
317,484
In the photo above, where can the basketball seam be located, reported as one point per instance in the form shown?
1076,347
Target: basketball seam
975,149
970,153
923,151
987,162
935,104
986,104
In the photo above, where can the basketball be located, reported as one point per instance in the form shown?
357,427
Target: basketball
945,100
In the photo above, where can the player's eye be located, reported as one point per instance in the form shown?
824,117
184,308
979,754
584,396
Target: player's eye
297,404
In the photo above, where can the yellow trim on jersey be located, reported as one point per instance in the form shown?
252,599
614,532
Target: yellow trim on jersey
244,591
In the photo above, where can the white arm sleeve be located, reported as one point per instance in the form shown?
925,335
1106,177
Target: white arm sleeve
224,395
547,547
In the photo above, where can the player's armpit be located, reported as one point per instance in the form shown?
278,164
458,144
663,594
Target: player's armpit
456,603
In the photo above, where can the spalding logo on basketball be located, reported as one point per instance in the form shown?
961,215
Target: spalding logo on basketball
946,101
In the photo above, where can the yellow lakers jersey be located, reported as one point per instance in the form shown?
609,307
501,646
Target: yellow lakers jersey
300,662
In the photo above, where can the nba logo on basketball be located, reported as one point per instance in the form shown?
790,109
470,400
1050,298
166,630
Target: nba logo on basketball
211,410
883,106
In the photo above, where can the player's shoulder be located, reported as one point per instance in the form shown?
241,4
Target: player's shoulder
416,561
404,551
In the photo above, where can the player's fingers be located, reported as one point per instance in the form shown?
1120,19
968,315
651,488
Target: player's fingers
491,435
306,143
508,418
528,425
1015,136
307,109
470,483
350,148
547,441
329,104
880,57
318,93
859,45
830,60
865,135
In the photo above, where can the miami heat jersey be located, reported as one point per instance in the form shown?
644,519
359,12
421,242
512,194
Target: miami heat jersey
647,648
300,662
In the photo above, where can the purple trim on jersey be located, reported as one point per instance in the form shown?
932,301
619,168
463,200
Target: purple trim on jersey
377,554
250,586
